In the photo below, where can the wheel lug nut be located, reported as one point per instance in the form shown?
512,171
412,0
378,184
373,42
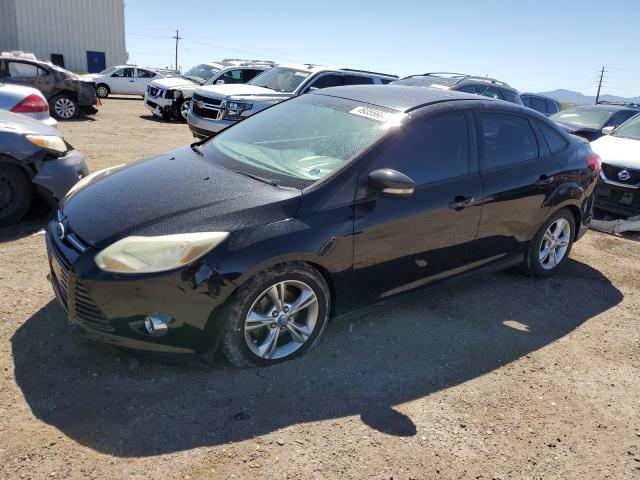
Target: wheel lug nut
275,313
273,325
286,309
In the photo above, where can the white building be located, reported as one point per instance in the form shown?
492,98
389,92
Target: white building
81,35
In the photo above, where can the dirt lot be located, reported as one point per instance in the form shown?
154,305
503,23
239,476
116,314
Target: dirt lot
501,377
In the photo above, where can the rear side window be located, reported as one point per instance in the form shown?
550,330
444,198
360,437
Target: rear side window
145,73
123,72
509,96
429,150
385,81
552,107
506,139
555,141
22,69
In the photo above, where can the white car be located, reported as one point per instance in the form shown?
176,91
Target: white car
26,101
124,80
171,97
619,149
216,107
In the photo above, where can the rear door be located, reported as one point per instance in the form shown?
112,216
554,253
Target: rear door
142,78
404,243
517,172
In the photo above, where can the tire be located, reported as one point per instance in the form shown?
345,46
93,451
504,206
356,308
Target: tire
15,194
556,237
182,109
243,338
63,107
103,90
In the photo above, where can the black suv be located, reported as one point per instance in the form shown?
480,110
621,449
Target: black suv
461,82
545,105
588,121
65,91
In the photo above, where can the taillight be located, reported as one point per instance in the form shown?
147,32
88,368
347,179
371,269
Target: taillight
31,104
594,163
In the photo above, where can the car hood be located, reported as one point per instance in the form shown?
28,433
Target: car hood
620,151
238,91
177,192
173,82
24,125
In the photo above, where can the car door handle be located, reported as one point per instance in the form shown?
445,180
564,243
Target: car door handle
544,180
460,202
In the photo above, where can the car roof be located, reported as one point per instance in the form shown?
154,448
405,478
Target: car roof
398,97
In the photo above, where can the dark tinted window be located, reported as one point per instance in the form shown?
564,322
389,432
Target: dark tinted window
57,59
620,117
123,72
385,81
506,139
509,95
25,70
538,104
356,80
525,100
552,107
467,89
555,141
429,150
489,91
249,73
232,76
326,81
145,73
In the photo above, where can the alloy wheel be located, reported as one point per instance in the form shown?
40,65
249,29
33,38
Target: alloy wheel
281,319
65,108
555,244
184,109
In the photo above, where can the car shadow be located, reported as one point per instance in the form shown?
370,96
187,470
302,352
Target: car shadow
368,363
31,224
154,118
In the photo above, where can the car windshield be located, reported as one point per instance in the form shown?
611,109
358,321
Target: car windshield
298,142
585,117
107,71
201,73
280,79
629,129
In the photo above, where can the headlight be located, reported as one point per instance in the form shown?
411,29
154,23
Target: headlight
48,142
233,110
86,180
169,94
157,254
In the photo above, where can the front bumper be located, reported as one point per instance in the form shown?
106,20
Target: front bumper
157,105
57,175
206,127
618,200
111,308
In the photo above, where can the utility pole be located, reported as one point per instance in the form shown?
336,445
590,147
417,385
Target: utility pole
177,37
599,84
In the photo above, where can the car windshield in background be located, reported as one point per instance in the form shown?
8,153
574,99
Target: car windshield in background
585,117
629,129
107,71
280,79
302,140
201,73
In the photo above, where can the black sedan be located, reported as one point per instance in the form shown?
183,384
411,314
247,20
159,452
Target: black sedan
328,202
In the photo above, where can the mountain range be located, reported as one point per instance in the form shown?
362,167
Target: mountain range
569,96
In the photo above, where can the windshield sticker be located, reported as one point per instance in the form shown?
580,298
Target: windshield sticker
373,114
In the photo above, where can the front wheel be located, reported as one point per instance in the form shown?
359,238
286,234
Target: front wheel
15,194
277,315
63,107
183,110
550,248
102,90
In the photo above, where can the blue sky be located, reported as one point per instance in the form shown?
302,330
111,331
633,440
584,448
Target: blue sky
533,45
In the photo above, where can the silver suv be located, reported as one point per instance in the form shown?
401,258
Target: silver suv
216,107
170,97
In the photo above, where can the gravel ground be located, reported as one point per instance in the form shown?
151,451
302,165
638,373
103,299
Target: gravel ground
499,377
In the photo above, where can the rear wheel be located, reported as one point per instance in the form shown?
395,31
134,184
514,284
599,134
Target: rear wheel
63,107
277,315
550,248
102,90
15,194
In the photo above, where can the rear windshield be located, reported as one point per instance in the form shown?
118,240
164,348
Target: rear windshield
583,116
280,79
629,129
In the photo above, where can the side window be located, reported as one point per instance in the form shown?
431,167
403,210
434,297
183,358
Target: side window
356,80
489,91
620,117
538,104
123,72
468,89
326,81
555,141
429,150
145,73
385,81
249,74
506,139
232,76
552,107
509,95
525,100
24,70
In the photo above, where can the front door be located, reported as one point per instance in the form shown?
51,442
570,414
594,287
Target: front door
404,243
123,81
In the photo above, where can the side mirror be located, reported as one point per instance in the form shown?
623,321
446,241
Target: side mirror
391,183
608,130
313,89
219,82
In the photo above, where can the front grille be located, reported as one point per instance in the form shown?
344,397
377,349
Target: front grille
612,172
206,112
210,101
154,91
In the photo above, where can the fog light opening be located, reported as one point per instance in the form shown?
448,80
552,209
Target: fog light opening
157,324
